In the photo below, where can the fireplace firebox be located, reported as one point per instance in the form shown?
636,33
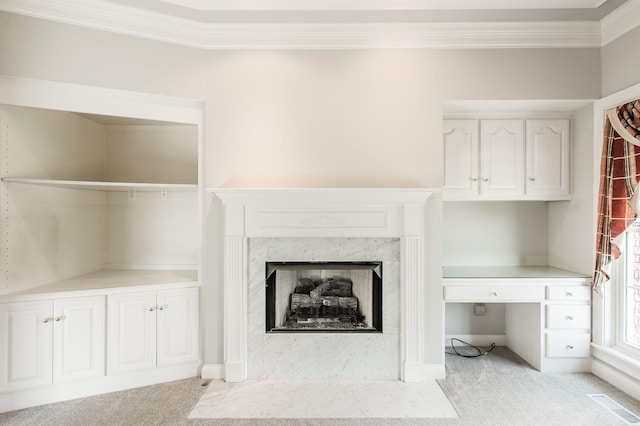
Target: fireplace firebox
331,297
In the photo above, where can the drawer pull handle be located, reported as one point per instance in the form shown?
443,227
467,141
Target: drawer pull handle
569,317
569,346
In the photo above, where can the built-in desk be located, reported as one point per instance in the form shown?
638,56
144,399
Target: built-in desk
547,310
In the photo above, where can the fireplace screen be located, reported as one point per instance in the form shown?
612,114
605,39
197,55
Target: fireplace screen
324,297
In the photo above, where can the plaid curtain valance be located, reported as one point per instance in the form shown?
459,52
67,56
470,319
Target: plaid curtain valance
619,177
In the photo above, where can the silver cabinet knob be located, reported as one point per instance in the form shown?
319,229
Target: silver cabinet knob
60,318
163,307
494,293
46,320
532,179
151,309
569,346
569,317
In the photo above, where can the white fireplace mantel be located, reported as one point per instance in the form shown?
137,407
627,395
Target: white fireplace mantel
353,213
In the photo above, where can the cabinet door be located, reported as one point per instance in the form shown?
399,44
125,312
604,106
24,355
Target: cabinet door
177,326
78,338
501,158
131,331
548,150
26,331
460,157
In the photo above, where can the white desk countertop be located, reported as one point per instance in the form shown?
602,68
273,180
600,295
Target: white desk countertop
458,272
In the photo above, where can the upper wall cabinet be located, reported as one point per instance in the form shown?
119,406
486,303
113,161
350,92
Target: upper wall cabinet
548,158
510,159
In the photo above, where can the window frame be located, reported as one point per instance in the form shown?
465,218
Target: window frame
621,268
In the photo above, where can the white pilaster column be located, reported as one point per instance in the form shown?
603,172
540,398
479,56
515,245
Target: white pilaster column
412,294
235,296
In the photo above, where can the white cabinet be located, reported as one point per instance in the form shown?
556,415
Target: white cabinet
547,311
78,338
51,341
501,158
149,329
507,159
547,153
26,343
568,322
461,157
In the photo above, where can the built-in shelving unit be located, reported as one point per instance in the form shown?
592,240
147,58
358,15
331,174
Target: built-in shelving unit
83,193
518,202
100,217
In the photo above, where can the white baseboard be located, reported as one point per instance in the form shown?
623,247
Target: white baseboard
212,372
434,372
616,377
477,339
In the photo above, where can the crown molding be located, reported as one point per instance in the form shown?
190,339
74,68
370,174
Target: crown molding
315,5
127,20
620,21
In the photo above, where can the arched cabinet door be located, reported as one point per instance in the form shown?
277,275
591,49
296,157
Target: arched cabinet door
460,139
501,158
548,153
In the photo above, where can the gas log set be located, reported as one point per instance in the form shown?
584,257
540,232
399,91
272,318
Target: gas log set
328,303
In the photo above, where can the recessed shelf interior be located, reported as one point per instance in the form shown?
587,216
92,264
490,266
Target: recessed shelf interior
84,193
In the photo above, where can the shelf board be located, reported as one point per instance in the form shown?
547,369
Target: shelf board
113,280
105,186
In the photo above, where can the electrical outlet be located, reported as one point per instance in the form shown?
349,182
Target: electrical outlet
479,309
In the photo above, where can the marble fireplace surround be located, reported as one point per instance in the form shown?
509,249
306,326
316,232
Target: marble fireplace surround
393,219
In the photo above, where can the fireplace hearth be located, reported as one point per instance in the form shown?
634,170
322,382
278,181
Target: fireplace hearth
325,297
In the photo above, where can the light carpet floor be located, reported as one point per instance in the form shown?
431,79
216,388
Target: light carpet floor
497,389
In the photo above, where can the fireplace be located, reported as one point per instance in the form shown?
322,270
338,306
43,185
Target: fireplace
324,297
264,227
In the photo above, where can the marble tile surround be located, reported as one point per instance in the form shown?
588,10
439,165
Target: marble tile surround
290,399
319,356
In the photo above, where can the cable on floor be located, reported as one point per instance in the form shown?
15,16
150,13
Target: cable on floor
477,349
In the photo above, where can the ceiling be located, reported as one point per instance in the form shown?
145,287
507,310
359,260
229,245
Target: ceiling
340,24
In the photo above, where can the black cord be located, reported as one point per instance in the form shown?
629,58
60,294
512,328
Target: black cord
480,353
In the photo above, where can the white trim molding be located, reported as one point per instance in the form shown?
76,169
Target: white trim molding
117,18
316,5
620,21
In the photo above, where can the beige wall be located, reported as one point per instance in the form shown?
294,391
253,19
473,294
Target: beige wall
621,63
363,118
300,118
46,50
304,118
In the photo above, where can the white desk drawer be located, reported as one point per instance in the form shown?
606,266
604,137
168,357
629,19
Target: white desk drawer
569,292
568,345
569,316
497,293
